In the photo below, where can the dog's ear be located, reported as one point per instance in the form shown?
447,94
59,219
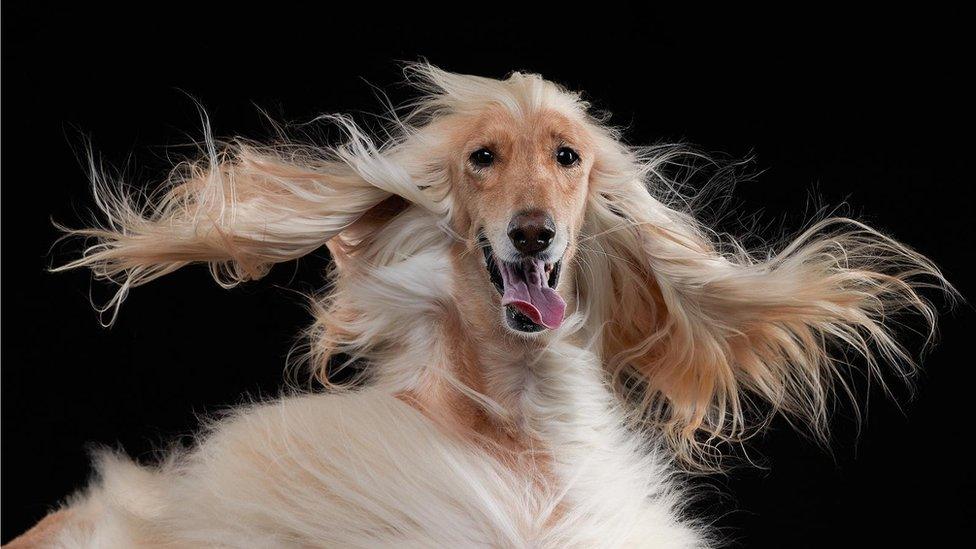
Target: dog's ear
696,335
241,209
361,233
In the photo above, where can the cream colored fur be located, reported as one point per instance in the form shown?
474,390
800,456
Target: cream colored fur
364,469
469,435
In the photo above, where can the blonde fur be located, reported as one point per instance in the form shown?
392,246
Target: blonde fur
470,435
701,328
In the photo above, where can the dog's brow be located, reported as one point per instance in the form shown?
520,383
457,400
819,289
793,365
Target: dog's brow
566,132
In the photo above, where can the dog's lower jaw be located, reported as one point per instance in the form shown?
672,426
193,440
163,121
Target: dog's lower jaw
518,323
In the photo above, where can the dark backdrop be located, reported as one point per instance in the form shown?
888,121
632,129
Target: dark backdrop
867,108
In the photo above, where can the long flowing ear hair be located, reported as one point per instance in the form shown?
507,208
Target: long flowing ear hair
695,329
242,206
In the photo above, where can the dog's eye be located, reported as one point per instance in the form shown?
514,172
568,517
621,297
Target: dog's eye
566,156
482,158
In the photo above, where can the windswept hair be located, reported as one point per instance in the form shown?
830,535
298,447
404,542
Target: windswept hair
244,206
693,330
698,330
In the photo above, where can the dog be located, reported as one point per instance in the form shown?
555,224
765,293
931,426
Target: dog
550,335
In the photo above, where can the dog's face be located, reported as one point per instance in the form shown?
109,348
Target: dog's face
521,192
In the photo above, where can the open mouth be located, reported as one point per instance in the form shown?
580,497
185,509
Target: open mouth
528,290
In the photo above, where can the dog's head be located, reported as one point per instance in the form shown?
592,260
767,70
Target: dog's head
508,200
520,192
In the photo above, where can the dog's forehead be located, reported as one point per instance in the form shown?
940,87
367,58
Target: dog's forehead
502,127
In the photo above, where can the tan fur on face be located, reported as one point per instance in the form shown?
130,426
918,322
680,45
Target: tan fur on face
524,175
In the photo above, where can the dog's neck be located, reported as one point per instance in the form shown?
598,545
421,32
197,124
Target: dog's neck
476,370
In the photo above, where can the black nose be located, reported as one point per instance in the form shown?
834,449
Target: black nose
531,231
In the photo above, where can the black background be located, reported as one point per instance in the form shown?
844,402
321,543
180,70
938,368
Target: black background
867,108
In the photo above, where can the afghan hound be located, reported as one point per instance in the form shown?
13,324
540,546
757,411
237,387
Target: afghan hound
550,336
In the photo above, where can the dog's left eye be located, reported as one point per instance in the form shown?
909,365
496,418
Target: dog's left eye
482,158
566,156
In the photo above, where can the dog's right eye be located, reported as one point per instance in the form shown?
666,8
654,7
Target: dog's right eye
482,158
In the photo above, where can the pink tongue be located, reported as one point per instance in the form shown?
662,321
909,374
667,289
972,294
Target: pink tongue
527,289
